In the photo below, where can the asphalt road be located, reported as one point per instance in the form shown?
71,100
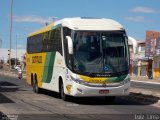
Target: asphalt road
142,85
17,100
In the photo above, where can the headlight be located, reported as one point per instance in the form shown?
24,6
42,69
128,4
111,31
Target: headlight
126,80
79,81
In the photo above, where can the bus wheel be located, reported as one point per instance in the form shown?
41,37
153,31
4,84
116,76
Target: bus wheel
110,99
36,89
63,95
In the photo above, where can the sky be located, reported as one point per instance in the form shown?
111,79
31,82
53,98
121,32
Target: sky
137,16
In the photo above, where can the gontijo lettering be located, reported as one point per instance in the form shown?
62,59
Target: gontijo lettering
37,59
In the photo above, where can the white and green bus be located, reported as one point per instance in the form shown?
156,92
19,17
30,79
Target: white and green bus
79,57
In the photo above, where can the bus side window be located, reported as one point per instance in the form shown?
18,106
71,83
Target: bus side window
34,44
56,41
46,42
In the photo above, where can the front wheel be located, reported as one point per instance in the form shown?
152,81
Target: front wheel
63,95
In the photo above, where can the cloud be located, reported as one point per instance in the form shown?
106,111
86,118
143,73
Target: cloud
135,18
19,46
33,19
141,9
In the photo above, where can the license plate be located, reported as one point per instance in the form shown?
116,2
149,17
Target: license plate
103,91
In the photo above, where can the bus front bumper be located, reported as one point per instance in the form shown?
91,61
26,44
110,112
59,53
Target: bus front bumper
86,91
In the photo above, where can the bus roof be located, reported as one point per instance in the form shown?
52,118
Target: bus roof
83,24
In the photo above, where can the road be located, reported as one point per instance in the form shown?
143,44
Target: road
18,100
149,86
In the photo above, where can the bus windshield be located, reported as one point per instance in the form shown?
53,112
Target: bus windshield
100,52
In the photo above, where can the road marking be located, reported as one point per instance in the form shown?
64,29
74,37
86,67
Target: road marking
146,82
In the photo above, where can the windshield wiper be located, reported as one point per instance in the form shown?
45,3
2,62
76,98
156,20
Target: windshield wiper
91,74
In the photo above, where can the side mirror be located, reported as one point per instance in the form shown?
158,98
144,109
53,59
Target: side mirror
70,45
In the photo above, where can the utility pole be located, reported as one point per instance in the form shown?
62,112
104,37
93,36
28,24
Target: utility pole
10,36
16,52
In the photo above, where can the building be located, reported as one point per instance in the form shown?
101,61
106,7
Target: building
142,62
138,63
132,43
153,51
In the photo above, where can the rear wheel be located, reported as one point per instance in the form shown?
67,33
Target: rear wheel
36,89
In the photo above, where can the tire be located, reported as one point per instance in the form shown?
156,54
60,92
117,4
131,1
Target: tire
36,89
62,94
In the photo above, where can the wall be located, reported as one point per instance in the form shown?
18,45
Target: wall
157,67
153,50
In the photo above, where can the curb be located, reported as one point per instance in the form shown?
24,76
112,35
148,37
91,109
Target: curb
145,82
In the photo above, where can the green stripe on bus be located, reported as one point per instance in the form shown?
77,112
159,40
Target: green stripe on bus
48,68
116,79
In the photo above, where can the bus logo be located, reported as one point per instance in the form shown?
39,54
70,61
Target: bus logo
106,68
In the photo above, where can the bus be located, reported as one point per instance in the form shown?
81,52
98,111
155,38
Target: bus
81,57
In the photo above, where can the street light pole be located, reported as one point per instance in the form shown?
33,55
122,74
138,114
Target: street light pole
16,52
10,36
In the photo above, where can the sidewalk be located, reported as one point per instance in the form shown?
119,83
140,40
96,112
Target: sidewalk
145,79
12,73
